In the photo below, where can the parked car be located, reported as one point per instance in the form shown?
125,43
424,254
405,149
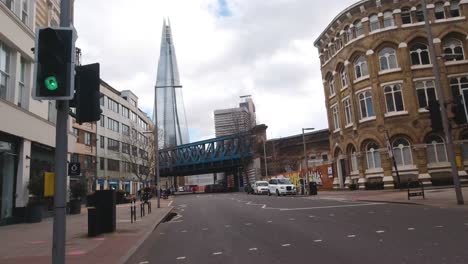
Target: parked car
281,186
260,187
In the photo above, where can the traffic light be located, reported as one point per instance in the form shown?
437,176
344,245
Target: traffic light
55,64
87,95
458,110
435,116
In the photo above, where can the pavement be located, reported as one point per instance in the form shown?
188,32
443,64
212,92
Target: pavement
442,197
234,228
32,243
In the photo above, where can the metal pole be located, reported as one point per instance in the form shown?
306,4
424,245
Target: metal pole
264,155
440,95
156,147
61,150
305,161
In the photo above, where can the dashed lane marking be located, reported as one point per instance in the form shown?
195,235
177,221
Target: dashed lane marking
184,231
286,245
204,229
411,228
439,226
332,214
180,258
161,233
380,231
351,236
248,224
227,226
318,240
311,216
292,219
252,249
144,262
269,221
217,253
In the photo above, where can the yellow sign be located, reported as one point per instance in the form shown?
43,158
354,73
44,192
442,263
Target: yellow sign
459,161
49,184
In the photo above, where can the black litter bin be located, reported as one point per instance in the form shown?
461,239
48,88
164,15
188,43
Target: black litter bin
313,188
93,225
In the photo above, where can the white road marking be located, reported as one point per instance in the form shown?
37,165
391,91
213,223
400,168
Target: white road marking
184,231
439,226
380,231
311,216
351,236
227,226
411,228
144,262
292,219
161,233
217,253
286,245
332,214
248,224
252,249
204,229
269,221
170,203
325,207
318,240
181,258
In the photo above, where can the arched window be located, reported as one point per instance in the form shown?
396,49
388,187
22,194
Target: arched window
331,84
453,50
344,77
388,20
393,98
454,8
350,33
388,59
374,22
358,28
419,14
365,105
373,155
439,10
426,92
338,42
348,111
419,54
336,117
436,152
346,36
353,157
406,15
332,49
402,152
360,67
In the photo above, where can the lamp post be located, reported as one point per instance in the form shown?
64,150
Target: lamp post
265,157
305,157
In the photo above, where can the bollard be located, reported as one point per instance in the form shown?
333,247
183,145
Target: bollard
133,211
149,207
142,210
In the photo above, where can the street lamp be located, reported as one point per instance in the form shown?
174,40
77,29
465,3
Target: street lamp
305,157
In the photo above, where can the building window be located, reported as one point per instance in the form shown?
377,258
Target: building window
125,130
102,141
125,148
393,98
10,4
354,160
101,99
133,102
24,12
365,104
112,105
134,151
113,145
454,8
459,88
374,23
126,166
388,20
101,163
402,152
113,165
388,59
336,117
76,133
426,92
360,67
436,152
21,83
338,42
344,77
373,155
419,14
4,70
112,124
453,50
406,15
87,138
75,158
331,85
88,162
125,112
102,120
358,28
133,116
419,54
439,10
348,111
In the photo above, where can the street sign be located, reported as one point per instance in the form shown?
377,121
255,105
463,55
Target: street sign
74,169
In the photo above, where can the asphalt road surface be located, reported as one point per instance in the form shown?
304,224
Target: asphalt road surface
241,228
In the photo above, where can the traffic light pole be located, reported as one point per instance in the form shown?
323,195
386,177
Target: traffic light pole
440,95
61,149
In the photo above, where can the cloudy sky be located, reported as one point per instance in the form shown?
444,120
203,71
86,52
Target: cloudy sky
224,48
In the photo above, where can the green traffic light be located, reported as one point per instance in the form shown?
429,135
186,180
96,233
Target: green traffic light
51,83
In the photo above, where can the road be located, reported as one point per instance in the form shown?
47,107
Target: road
241,228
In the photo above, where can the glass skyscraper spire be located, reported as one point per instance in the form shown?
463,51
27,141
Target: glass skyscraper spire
171,118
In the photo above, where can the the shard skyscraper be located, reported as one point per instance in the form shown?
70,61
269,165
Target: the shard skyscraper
171,117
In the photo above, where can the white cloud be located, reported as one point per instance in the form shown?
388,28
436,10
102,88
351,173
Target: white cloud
264,48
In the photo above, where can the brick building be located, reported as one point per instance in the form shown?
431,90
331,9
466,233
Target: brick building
377,75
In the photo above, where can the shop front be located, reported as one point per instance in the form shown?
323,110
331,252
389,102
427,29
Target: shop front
113,184
8,170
